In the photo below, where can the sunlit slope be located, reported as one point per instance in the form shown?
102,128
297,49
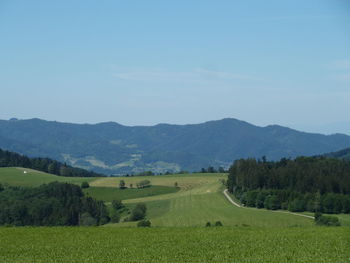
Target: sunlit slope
200,200
16,177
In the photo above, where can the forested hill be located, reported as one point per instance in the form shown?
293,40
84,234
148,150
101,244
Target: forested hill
342,154
114,148
11,159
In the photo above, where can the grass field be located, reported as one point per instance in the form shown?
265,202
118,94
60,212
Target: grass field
198,201
109,194
197,209
16,177
215,244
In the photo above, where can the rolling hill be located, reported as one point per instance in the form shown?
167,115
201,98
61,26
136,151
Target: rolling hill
116,149
198,199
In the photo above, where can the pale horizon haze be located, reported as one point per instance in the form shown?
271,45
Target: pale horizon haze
177,62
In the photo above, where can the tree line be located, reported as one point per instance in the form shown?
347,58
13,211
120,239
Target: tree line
316,184
61,204
53,204
11,159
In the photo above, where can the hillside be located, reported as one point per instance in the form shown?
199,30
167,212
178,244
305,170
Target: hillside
113,148
12,159
18,176
197,200
342,154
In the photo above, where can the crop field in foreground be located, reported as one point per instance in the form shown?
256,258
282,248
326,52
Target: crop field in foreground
214,244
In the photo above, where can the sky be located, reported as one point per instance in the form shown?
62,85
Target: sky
148,62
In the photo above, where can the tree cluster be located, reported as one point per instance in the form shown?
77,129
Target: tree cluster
138,212
53,204
143,184
315,184
322,220
11,159
117,209
217,223
144,223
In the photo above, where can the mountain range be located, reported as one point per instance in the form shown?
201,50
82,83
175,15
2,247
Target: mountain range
113,148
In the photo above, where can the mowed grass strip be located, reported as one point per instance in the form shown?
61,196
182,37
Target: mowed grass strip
16,177
108,194
214,244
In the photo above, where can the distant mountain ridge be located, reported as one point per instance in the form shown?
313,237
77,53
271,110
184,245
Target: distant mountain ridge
116,149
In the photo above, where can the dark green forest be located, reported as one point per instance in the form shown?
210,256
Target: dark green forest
11,159
315,184
54,204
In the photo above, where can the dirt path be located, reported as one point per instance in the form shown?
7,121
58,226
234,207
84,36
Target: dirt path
230,199
225,192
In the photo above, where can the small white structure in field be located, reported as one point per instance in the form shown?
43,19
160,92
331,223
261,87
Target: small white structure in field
24,172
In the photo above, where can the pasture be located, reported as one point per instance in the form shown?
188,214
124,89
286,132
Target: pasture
199,200
15,176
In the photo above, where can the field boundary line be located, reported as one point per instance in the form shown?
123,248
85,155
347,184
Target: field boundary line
225,192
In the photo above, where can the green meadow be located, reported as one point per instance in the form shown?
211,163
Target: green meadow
15,176
197,199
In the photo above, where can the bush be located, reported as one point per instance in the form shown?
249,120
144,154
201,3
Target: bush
218,223
322,220
139,212
297,205
117,204
87,220
143,184
144,223
115,216
85,185
122,184
272,202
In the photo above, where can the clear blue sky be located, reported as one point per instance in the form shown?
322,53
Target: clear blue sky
147,62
